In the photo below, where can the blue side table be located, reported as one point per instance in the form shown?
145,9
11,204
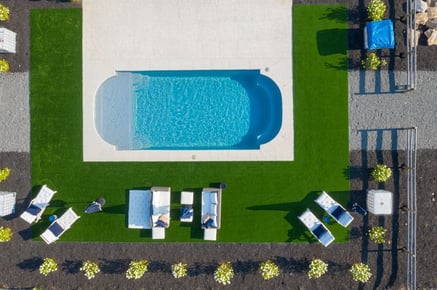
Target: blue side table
326,219
52,218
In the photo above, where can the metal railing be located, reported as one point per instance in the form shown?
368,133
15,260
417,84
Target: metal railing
412,206
411,53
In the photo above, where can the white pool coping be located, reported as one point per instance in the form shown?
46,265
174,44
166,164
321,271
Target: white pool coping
187,35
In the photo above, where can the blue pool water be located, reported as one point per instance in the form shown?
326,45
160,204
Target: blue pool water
174,110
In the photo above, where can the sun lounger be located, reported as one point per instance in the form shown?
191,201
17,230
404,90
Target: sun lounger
139,209
211,212
317,229
160,211
59,226
334,209
38,205
187,206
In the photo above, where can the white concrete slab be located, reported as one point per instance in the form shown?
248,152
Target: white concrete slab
186,35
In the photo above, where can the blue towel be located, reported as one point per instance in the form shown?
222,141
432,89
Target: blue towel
209,223
186,212
161,224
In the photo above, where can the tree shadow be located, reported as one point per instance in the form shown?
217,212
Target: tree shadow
337,13
291,265
31,264
71,266
197,269
117,266
159,266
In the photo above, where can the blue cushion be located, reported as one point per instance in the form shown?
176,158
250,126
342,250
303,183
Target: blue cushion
33,210
342,216
209,223
319,231
161,224
56,229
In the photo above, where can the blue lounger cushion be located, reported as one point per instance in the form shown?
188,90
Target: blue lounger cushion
56,229
33,209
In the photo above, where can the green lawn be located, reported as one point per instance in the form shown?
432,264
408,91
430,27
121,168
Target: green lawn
262,200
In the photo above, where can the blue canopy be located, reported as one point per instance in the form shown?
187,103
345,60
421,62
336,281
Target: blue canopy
380,34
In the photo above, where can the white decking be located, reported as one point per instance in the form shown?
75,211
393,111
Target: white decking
186,35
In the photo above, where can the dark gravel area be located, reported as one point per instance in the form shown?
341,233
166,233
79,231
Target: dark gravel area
21,257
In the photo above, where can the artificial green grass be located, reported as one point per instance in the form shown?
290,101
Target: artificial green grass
262,199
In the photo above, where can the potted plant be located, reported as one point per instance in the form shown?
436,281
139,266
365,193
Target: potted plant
5,234
224,273
268,270
317,268
381,173
90,269
4,12
373,62
179,270
377,234
4,173
360,272
48,266
376,10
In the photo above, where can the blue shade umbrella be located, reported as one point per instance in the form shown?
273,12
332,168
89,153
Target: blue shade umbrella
96,205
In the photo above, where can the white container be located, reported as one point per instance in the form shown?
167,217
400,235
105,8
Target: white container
7,40
7,203
380,202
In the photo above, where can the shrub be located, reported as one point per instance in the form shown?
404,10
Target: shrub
224,273
317,268
4,12
268,270
373,62
360,272
4,66
377,234
137,269
376,10
381,173
5,234
179,270
90,269
4,173
48,265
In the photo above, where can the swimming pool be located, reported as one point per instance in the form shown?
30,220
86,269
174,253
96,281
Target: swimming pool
192,109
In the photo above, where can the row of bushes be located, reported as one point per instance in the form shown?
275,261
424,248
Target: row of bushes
223,274
4,16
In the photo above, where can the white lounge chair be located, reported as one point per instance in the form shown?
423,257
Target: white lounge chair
139,209
187,212
160,211
211,212
317,229
38,205
59,226
334,209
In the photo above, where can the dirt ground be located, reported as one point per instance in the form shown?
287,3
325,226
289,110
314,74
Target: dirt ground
21,257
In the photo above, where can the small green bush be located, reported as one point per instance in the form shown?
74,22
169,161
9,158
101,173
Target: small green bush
4,173
5,234
179,270
377,234
4,66
4,12
268,270
90,269
360,272
376,10
224,273
381,173
373,62
317,268
48,266
137,269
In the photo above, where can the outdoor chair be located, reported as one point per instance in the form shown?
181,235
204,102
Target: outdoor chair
160,211
38,205
210,213
317,229
59,226
334,209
